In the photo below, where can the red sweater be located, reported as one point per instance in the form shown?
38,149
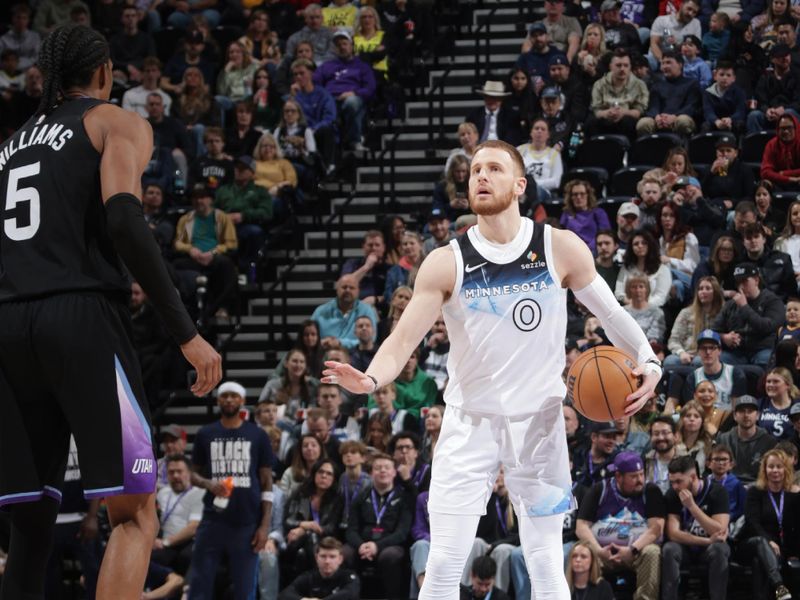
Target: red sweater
782,160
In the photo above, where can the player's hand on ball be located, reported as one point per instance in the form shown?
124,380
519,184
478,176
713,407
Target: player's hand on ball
348,377
646,390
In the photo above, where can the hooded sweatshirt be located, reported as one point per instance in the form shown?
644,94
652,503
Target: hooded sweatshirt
782,160
747,453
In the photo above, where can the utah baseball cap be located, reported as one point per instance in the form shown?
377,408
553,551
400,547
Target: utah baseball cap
626,462
745,270
629,208
537,27
605,427
709,335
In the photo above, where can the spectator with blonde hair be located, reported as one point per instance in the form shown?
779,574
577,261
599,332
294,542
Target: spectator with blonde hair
235,81
542,162
368,41
781,393
649,318
450,194
694,438
584,575
397,304
691,321
468,138
273,171
592,54
405,271
581,214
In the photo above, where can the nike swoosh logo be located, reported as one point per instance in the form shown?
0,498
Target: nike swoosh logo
469,269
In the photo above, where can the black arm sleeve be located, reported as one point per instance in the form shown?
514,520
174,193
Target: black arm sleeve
138,249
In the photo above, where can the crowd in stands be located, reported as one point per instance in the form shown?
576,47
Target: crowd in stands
252,104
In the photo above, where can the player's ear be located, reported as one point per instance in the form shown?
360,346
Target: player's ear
519,186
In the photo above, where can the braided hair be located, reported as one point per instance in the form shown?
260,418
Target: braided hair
68,57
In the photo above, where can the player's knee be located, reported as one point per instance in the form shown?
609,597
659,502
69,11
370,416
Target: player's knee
138,510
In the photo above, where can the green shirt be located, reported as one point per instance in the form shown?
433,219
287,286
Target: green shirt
253,201
204,234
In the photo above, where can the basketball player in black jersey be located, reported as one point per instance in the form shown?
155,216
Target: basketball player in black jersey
69,211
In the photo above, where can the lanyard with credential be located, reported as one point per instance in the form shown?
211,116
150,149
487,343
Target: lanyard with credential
501,517
778,512
168,512
379,513
348,497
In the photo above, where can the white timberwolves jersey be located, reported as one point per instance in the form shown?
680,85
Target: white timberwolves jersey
507,321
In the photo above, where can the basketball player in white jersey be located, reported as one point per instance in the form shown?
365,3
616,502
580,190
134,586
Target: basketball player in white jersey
502,289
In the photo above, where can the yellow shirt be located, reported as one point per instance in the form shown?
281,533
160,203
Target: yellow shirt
273,172
340,17
362,44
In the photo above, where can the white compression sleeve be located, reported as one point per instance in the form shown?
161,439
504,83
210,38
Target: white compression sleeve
541,542
451,542
621,328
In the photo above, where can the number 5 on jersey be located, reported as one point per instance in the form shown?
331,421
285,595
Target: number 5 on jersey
16,195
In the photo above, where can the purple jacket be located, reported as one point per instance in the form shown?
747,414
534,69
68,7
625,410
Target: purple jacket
586,224
421,530
339,76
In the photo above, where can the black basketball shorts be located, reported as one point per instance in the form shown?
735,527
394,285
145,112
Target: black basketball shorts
67,366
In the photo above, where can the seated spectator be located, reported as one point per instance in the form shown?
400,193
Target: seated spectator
619,32
182,15
772,531
749,319
583,574
362,355
781,393
370,43
606,247
266,415
719,265
337,317
601,522
450,194
379,432
384,400
676,164
259,42
205,237
772,218
651,197
542,162
156,218
11,78
591,61
764,26
305,454
468,138
435,351
563,31
581,214
415,388
789,332
483,573
20,38
242,137
314,32
705,216
370,269
493,120
293,389
328,579
170,134
309,342
748,442
592,467
720,461
679,249
649,318
343,427
173,441
352,83
399,300
313,511
794,417
421,544
619,99
724,102
135,99
559,121
195,106
213,168
693,438
674,101
523,102
354,479
439,229
192,54
266,101
705,526
728,179
275,174
667,32
318,106
53,13
775,267
180,510
405,272
380,522
129,47
432,428
694,67
663,449
296,141
250,208
693,319
235,81
717,37
576,94
779,164
642,258
536,54
627,224
282,76
776,93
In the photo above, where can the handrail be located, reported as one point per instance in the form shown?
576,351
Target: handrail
487,20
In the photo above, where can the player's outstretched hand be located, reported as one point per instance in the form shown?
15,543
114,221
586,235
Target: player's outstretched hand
646,390
350,378
206,361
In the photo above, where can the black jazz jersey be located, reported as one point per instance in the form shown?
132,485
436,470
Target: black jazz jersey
53,235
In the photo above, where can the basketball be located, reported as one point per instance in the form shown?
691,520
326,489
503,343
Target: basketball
599,381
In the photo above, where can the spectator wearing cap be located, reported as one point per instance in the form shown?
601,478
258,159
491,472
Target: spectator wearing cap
705,216
314,32
249,207
204,239
619,99
777,91
774,267
698,515
694,67
622,519
627,222
749,319
724,105
571,87
748,442
351,82
542,162
564,32
728,179
591,466
674,101
173,441
233,463
191,55
439,229
560,122
780,163
618,32
493,120
668,31
536,59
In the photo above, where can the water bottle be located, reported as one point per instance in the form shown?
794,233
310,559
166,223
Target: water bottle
575,140
178,183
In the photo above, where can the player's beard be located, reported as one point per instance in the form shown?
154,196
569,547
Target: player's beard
498,204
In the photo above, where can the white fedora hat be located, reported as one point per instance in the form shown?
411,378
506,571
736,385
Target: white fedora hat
495,89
